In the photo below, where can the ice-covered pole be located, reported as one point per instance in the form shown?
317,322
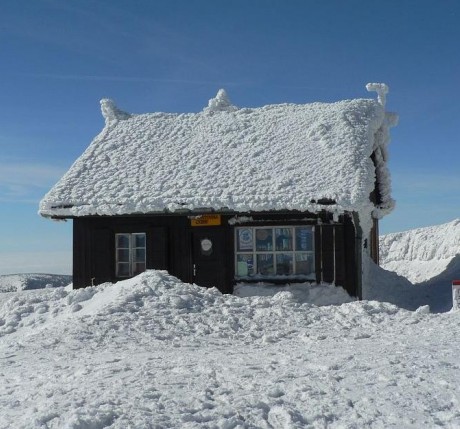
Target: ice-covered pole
455,294
381,89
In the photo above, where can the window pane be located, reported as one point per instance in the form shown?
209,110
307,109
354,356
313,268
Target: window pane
265,265
305,263
245,240
304,238
284,264
130,254
244,265
138,240
138,268
123,255
264,239
283,239
139,255
123,270
123,241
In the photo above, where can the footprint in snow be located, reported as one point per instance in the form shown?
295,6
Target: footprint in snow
276,393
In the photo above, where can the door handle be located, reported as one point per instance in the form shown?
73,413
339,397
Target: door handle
194,270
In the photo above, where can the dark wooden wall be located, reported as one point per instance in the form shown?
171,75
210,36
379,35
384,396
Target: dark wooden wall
94,246
374,242
169,246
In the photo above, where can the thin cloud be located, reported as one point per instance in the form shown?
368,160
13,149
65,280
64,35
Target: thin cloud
26,182
29,174
126,79
49,262
426,183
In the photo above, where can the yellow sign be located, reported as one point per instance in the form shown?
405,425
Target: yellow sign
206,220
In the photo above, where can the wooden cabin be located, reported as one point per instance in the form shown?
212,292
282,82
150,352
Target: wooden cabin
281,193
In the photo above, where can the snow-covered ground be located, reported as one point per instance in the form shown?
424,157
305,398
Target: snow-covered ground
153,352
325,294
19,282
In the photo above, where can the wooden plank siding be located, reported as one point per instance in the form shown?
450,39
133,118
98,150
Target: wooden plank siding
352,247
170,246
374,242
335,256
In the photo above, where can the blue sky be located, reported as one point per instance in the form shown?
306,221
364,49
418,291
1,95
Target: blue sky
59,58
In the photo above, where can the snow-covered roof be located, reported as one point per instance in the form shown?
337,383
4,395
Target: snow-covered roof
276,157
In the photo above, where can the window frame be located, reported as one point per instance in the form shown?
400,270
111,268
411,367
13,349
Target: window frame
132,248
274,251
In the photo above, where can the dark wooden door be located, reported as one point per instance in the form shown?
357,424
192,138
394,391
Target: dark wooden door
208,257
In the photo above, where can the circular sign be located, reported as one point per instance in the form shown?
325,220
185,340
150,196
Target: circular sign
245,238
206,245
262,234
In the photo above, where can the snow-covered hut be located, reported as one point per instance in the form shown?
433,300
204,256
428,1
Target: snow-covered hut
281,193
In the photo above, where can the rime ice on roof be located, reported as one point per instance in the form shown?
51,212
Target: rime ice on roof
276,157
220,103
111,112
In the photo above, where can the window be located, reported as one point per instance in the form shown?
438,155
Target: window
130,254
274,251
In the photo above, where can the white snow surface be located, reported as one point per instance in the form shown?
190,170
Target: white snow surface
275,157
152,352
19,282
423,253
322,294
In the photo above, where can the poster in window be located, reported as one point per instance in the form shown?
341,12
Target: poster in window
283,239
304,264
265,265
264,239
245,239
304,239
245,265
284,264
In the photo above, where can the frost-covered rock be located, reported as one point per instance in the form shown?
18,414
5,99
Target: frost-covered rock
422,253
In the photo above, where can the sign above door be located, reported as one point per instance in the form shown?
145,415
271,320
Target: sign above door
206,220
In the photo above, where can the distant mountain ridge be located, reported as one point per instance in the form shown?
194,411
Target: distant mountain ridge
423,253
421,264
19,282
